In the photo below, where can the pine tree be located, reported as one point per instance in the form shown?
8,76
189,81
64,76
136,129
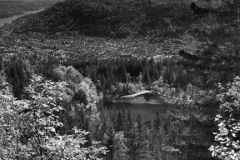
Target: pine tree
120,148
128,125
157,121
146,153
146,77
119,123
157,136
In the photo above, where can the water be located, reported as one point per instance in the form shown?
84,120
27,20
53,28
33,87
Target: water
10,19
145,105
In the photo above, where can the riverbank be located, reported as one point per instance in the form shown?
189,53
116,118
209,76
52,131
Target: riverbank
8,15
16,7
142,97
145,105
14,17
137,94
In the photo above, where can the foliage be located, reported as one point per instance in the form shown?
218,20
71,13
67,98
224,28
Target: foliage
38,118
120,147
18,72
121,77
43,123
9,127
111,18
71,147
29,126
228,146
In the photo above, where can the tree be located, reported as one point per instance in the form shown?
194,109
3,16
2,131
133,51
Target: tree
228,120
157,122
119,123
146,77
83,95
18,74
28,128
9,134
135,138
146,151
70,147
120,148
128,124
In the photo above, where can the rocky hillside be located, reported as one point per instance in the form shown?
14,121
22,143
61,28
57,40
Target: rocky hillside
111,18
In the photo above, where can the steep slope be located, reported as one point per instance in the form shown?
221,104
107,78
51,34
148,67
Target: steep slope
110,18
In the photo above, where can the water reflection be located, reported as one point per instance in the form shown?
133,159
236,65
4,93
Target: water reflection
14,17
145,105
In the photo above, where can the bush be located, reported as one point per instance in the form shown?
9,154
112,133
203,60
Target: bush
228,120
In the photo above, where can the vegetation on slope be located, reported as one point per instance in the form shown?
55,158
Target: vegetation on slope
181,134
111,18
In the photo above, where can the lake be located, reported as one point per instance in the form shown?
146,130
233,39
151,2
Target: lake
10,19
145,105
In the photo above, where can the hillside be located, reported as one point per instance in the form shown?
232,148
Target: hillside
64,74
110,18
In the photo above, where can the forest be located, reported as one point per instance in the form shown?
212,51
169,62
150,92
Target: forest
50,108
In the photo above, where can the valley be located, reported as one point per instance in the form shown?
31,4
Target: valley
127,80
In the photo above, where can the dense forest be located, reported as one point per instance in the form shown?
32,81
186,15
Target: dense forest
50,107
112,18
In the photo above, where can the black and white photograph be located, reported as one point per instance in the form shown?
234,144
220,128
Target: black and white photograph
119,79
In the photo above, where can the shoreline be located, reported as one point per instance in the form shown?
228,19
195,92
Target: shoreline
8,20
136,98
10,15
137,94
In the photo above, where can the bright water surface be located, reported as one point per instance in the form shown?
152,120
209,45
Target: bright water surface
145,105
10,19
